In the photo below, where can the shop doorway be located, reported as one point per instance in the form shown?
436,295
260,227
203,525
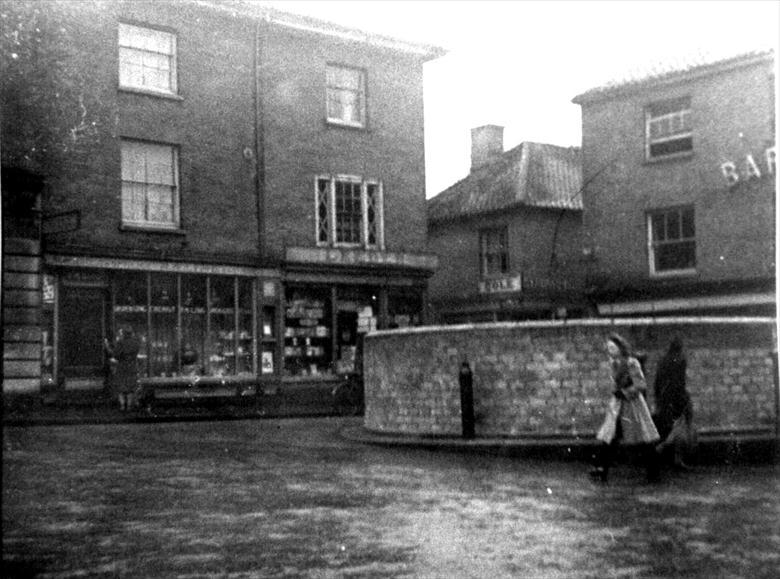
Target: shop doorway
82,331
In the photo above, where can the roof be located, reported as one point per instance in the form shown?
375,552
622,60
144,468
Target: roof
531,174
317,26
701,64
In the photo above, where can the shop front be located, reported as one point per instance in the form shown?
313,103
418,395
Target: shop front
219,331
203,330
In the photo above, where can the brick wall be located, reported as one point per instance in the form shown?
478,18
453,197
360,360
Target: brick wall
552,378
735,230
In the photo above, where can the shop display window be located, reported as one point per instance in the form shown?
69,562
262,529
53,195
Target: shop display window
131,297
193,325
269,340
163,336
307,333
245,338
188,325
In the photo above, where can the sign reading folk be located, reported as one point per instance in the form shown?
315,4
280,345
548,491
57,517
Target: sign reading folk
501,284
750,169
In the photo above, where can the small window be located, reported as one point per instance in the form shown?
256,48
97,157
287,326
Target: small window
346,96
668,129
147,59
150,191
672,241
349,212
493,252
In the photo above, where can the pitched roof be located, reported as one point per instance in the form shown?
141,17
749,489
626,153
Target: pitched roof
692,66
531,174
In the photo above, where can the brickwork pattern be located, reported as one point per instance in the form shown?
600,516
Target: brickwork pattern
552,378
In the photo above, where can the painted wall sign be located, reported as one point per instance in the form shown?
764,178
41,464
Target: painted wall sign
750,169
501,284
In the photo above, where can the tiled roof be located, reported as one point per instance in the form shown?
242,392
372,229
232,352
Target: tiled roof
672,71
531,174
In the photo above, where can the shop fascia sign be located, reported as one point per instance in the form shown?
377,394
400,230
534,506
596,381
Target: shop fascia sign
750,169
337,256
501,284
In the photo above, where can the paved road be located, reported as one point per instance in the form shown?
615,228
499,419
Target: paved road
292,498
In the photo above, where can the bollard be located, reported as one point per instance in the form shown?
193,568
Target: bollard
466,400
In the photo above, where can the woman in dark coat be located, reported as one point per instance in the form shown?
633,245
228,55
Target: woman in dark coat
628,418
671,398
125,377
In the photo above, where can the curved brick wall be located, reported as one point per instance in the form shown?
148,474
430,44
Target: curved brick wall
552,378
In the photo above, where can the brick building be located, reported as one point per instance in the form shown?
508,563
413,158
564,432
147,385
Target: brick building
508,235
679,207
243,187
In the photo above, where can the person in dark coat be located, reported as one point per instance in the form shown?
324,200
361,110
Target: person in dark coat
125,377
628,418
672,400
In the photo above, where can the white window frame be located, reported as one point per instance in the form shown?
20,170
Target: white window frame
131,42
127,184
652,243
678,124
361,95
330,217
484,235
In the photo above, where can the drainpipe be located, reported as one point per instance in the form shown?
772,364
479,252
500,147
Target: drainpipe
259,173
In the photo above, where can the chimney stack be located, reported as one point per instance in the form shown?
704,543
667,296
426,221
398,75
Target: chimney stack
487,143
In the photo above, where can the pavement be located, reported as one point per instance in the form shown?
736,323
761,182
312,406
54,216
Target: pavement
759,446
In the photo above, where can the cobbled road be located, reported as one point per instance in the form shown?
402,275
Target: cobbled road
293,498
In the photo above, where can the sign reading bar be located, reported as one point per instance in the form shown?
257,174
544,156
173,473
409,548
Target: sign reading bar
750,169
501,284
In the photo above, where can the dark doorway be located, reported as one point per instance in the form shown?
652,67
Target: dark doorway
82,330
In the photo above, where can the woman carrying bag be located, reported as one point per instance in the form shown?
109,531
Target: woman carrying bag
628,417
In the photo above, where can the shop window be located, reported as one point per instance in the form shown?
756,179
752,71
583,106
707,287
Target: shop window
493,252
163,340
346,96
672,241
307,333
668,129
131,309
193,325
147,59
349,212
150,191
213,315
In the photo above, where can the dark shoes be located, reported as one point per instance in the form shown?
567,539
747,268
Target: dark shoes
598,473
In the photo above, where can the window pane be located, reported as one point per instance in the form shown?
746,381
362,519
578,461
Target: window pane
193,320
673,225
659,227
675,256
688,227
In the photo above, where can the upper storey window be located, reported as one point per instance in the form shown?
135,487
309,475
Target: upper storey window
668,129
349,212
150,185
493,252
147,59
346,96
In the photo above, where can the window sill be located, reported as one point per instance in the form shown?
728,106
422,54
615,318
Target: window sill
150,92
673,273
339,125
151,229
